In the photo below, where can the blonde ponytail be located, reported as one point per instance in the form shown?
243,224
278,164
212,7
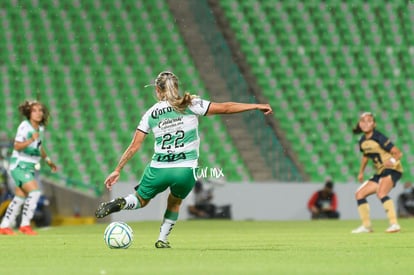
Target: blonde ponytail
168,84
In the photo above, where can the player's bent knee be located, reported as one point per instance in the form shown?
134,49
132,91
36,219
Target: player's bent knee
381,195
359,195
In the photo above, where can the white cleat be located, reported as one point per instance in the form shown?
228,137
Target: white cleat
362,229
394,228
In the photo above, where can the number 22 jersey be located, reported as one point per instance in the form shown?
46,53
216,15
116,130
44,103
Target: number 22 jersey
176,134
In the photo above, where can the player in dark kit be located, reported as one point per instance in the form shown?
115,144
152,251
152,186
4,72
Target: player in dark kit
386,159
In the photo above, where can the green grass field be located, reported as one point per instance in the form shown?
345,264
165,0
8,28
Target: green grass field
215,247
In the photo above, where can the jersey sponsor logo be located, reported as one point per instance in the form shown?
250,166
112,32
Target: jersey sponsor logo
156,113
170,122
171,157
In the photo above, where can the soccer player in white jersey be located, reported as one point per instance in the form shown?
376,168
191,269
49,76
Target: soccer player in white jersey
174,122
28,151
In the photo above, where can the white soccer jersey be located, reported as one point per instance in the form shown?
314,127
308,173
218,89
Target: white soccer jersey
176,134
32,152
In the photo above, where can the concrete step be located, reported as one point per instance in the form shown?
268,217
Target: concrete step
217,86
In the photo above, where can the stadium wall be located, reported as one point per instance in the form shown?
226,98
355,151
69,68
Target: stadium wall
259,201
68,202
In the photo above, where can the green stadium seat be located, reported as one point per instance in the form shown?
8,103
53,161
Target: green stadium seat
93,83
363,65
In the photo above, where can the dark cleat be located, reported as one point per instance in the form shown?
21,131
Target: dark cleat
161,244
109,207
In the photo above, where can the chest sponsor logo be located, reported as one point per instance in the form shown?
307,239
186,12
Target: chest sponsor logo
170,122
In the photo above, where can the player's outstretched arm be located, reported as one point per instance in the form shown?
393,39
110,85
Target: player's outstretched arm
235,107
126,156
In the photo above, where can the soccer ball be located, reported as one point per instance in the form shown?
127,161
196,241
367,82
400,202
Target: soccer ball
118,235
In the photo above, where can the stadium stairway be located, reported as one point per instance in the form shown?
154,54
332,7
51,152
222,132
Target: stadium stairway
202,47
204,61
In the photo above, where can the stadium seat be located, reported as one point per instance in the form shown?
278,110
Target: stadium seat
103,56
361,65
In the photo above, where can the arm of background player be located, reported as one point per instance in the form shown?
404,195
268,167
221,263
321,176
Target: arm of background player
49,162
396,153
312,200
396,156
364,162
20,145
334,202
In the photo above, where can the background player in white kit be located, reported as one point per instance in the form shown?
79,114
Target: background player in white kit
174,122
28,151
